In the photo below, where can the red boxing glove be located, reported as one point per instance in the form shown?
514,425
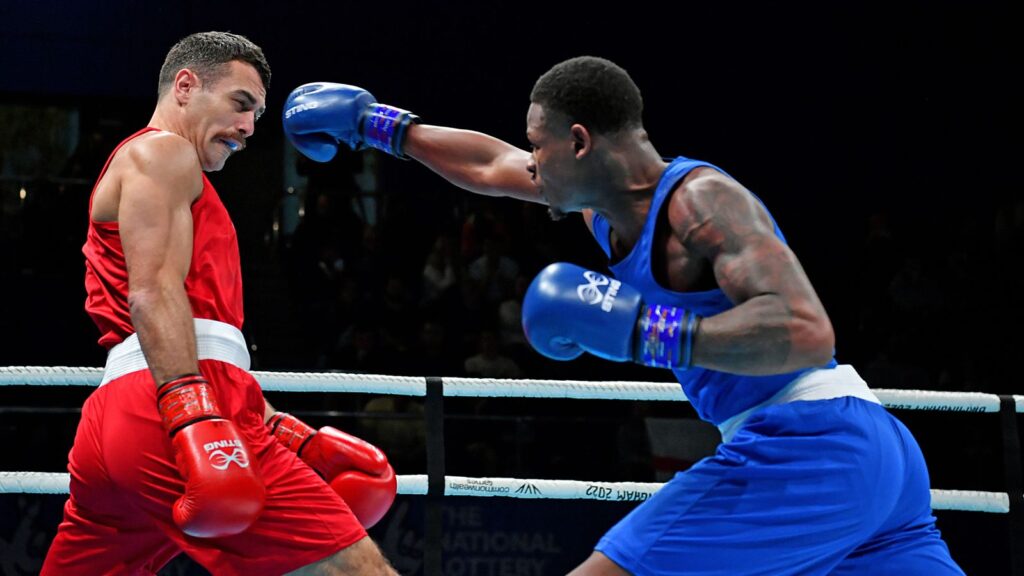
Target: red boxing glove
357,470
223,493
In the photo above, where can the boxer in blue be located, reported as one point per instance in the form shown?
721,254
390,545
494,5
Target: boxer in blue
813,475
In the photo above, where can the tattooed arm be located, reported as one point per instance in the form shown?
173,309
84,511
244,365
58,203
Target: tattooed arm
778,324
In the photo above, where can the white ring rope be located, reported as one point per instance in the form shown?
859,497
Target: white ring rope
576,389
416,484
57,483
273,381
490,387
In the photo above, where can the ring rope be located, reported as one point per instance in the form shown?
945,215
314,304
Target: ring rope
491,387
416,484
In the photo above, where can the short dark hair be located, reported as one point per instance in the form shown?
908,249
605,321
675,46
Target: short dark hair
206,53
592,91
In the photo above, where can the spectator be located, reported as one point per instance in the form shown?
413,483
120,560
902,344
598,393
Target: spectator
489,362
438,272
494,272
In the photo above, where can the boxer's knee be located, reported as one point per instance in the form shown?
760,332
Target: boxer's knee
597,564
363,558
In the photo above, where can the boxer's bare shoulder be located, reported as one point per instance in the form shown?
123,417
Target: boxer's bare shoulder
152,161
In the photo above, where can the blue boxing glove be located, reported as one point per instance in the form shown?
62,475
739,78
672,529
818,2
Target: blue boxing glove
568,310
319,115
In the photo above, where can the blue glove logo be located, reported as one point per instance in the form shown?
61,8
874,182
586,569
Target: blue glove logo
311,105
590,293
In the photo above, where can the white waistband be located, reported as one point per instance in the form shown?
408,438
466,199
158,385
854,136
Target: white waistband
820,384
214,341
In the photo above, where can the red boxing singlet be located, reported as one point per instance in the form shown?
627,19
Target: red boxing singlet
213,284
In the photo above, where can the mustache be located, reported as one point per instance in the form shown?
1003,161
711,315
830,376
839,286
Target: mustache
237,138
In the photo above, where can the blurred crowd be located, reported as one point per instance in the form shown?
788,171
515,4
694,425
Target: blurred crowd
929,306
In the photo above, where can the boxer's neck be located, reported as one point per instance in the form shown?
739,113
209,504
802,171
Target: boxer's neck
631,170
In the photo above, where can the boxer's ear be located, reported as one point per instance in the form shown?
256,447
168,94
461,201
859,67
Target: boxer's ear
186,82
581,140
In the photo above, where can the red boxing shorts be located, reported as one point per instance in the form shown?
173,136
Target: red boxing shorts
124,481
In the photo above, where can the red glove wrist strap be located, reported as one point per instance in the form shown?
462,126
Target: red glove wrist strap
290,431
186,400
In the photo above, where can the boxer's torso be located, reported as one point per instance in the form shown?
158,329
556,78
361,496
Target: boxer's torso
657,266
214,280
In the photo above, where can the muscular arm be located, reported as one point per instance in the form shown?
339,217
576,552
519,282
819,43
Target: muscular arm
473,161
161,179
778,324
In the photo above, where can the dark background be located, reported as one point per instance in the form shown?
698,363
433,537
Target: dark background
883,138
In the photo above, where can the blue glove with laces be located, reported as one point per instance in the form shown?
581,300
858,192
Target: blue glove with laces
319,115
568,310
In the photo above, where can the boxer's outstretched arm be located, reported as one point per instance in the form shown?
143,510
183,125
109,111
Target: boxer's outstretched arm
473,161
320,116
160,179
778,324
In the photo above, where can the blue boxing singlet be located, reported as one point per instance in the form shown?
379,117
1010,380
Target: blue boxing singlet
717,396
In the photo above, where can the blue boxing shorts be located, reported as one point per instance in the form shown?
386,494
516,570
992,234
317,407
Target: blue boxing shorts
834,486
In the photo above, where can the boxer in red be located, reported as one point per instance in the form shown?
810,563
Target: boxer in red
177,450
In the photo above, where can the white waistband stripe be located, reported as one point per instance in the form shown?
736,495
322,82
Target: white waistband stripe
820,384
214,341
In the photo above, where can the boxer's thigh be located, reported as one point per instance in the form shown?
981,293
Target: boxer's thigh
303,520
102,531
907,543
791,494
